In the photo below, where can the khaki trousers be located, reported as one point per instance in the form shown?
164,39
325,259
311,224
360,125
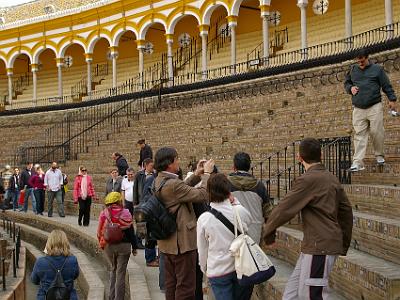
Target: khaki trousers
366,122
118,257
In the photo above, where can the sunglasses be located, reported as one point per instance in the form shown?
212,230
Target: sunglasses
84,170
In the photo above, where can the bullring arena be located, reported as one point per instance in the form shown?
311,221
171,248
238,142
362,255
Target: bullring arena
80,80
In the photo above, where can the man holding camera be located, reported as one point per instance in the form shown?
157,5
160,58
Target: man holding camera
364,82
180,249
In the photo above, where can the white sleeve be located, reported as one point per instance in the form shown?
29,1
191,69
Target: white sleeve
202,245
245,216
123,185
46,179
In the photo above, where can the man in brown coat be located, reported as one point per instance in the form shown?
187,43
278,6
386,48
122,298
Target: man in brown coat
180,249
327,224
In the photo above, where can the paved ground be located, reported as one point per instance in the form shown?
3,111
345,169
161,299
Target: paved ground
151,274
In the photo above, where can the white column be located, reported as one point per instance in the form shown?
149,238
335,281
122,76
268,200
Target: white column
89,60
10,85
348,19
389,18
141,65
114,56
232,27
34,80
169,59
302,4
388,12
265,26
60,64
204,40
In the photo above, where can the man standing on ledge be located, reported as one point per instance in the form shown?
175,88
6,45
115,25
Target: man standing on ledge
327,224
145,152
364,82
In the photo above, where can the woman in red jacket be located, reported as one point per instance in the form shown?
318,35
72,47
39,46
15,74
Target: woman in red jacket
83,194
37,182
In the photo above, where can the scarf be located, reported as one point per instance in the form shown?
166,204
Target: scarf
84,187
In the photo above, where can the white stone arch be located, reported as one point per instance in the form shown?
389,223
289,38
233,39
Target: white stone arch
10,62
210,9
146,26
237,3
178,17
4,60
65,46
95,39
36,55
120,32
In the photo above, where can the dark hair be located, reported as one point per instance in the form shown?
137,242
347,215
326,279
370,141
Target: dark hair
218,187
129,170
164,157
362,53
147,161
142,141
310,150
117,154
242,161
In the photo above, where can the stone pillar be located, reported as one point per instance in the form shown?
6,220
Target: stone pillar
265,27
302,4
140,47
170,41
89,59
389,18
114,56
232,22
348,19
204,40
10,84
60,65
34,68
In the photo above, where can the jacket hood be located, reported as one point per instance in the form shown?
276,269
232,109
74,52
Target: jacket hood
243,181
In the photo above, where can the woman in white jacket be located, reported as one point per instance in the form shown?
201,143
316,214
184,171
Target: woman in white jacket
214,240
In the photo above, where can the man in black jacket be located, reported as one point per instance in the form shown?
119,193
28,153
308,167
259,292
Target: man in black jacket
145,152
364,82
14,188
24,184
121,163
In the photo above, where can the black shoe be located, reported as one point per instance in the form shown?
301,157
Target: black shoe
49,216
80,223
62,216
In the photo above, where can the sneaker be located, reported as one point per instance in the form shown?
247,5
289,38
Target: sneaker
380,160
356,167
154,263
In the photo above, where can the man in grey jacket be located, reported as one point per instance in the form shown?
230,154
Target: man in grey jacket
250,192
364,82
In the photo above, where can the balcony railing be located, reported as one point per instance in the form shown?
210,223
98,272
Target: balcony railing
378,38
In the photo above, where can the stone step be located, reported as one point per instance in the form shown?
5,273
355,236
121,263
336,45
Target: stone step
379,200
356,276
273,289
378,236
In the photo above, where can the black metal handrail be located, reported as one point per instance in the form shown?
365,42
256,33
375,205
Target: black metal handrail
15,233
280,38
336,156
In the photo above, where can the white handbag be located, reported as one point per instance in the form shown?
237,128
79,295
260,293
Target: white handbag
251,263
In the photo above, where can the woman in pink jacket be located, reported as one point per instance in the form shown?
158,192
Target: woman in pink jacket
83,194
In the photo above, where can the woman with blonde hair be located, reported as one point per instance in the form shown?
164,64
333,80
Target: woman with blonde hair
117,251
83,194
58,257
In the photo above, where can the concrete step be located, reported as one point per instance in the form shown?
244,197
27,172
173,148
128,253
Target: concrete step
273,289
381,200
356,276
378,236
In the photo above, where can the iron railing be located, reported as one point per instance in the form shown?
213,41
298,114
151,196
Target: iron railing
280,169
14,233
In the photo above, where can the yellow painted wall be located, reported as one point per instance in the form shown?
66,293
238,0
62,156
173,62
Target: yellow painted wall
2,68
77,53
100,51
21,64
48,60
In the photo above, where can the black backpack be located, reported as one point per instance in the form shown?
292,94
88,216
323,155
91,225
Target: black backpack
160,223
58,290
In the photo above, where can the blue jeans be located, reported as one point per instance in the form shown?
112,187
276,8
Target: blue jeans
29,192
227,287
15,197
161,275
150,253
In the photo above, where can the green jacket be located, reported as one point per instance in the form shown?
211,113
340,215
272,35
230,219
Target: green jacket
369,81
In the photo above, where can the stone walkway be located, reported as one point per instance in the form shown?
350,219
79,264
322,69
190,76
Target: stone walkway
151,274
